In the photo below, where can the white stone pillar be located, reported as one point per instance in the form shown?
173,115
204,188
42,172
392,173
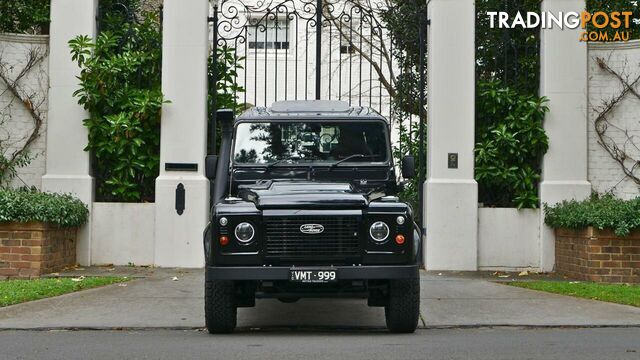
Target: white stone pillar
563,80
68,165
184,129
451,205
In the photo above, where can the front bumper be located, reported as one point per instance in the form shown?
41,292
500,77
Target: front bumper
273,273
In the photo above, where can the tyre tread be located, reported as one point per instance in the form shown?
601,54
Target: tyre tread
403,311
220,307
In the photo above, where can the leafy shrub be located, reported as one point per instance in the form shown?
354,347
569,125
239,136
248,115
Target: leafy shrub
24,16
27,205
120,86
409,144
602,212
225,71
511,141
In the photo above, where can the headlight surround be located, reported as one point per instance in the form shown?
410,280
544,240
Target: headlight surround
244,233
379,231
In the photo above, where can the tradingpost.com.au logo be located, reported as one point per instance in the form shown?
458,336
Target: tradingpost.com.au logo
620,23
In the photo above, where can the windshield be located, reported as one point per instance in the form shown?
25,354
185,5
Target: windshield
317,142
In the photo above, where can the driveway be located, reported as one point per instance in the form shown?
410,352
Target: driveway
173,299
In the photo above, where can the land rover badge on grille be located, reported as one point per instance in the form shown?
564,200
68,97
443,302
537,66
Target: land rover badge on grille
311,229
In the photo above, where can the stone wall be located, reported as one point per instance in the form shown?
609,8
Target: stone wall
33,249
16,124
605,174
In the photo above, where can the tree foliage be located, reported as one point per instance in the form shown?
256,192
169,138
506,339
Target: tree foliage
511,142
223,69
120,86
24,16
409,144
509,55
510,137
610,6
403,20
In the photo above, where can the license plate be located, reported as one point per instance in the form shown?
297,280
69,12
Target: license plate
313,276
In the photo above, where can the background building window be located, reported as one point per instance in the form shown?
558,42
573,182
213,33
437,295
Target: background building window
345,47
269,34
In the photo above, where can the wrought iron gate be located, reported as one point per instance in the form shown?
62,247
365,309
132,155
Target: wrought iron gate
272,50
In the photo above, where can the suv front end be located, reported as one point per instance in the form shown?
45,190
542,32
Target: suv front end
309,229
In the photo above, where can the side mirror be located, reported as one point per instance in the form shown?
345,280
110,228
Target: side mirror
408,167
210,166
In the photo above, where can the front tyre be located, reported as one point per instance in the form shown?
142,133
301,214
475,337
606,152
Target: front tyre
220,306
403,310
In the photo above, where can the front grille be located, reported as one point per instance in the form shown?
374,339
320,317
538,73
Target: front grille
338,241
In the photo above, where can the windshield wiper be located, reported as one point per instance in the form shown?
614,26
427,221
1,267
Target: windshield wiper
350,157
273,164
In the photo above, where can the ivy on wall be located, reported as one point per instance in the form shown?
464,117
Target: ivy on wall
622,145
15,151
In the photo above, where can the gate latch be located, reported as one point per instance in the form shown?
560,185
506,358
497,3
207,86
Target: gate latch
180,199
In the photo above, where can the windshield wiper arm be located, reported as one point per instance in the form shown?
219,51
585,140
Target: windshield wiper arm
273,164
350,157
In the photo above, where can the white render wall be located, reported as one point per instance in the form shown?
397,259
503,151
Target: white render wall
16,124
123,234
605,174
508,239
185,50
451,194
563,80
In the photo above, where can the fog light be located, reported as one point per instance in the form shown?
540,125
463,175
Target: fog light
400,220
224,221
400,239
224,240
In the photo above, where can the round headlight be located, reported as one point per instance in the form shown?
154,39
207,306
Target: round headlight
244,232
379,231
224,221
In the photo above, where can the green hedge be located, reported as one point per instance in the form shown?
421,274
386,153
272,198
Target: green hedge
602,212
58,209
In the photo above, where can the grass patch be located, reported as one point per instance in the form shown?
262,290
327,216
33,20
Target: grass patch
621,294
19,291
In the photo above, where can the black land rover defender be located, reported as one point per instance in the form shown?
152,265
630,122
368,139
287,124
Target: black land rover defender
304,205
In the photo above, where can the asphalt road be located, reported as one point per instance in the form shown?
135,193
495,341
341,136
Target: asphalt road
481,343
